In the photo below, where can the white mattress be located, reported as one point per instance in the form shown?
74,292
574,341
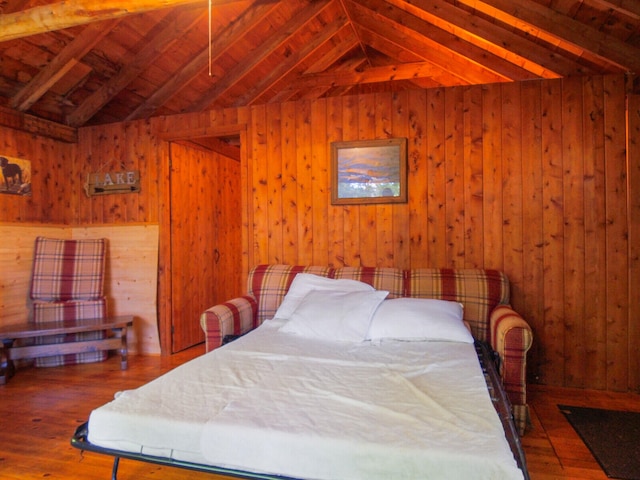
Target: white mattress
280,404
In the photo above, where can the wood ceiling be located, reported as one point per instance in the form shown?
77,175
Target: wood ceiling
88,62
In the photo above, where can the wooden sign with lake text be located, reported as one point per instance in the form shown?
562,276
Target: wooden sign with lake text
107,183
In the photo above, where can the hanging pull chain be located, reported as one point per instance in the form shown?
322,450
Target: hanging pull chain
210,40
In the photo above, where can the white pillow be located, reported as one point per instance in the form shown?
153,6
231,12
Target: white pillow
419,319
304,283
331,315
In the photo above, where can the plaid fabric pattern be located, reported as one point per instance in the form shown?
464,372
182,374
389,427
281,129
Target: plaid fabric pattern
60,311
235,317
68,269
511,337
480,291
67,283
389,279
268,284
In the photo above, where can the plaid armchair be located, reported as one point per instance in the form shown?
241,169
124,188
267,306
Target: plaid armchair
484,294
67,283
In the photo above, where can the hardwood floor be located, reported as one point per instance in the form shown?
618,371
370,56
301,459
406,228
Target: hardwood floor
552,447
41,407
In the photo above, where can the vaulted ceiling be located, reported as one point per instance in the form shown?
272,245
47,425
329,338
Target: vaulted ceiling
87,62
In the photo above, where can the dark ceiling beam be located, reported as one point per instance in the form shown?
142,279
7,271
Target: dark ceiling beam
404,71
243,68
459,66
289,64
493,37
291,92
71,13
221,42
61,64
626,7
10,118
153,48
608,49
449,44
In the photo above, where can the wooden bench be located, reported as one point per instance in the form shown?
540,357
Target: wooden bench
9,333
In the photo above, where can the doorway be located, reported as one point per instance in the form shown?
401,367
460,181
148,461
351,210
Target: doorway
205,233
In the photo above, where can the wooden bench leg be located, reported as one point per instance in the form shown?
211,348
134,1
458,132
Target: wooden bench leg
7,369
124,362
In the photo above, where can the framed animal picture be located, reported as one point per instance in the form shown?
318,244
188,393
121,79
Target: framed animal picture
16,175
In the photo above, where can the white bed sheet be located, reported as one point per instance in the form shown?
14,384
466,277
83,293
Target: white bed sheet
281,404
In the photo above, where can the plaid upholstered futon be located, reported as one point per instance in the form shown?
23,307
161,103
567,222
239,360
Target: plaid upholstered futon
483,293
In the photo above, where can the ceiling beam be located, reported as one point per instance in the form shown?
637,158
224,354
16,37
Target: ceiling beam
404,71
154,48
289,91
243,68
408,36
60,65
221,42
627,7
43,128
254,93
449,44
565,29
493,37
71,13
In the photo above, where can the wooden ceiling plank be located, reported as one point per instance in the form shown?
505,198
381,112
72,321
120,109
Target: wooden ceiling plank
448,41
153,48
59,65
514,48
221,42
335,54
243,68
566,29
285,84
467,71
71,13
631,8
291,62
396,52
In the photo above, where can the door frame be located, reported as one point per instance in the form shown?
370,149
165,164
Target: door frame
164,253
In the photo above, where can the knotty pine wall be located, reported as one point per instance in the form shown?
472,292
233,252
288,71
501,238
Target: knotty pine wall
540,179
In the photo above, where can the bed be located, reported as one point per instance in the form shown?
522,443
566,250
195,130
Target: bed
346,385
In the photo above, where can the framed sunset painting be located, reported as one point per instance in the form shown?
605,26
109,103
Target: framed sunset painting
369,171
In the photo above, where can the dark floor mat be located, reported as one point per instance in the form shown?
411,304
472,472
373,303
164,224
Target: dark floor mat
612,436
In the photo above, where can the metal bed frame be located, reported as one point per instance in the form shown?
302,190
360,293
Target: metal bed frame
487,357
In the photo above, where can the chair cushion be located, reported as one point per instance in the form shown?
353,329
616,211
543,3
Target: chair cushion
68,269
71,310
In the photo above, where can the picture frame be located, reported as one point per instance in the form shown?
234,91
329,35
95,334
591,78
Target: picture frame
369,171
15,175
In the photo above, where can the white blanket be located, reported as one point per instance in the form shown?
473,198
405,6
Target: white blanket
281,404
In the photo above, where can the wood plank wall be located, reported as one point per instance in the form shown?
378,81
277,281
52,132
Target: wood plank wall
529,178
532,178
